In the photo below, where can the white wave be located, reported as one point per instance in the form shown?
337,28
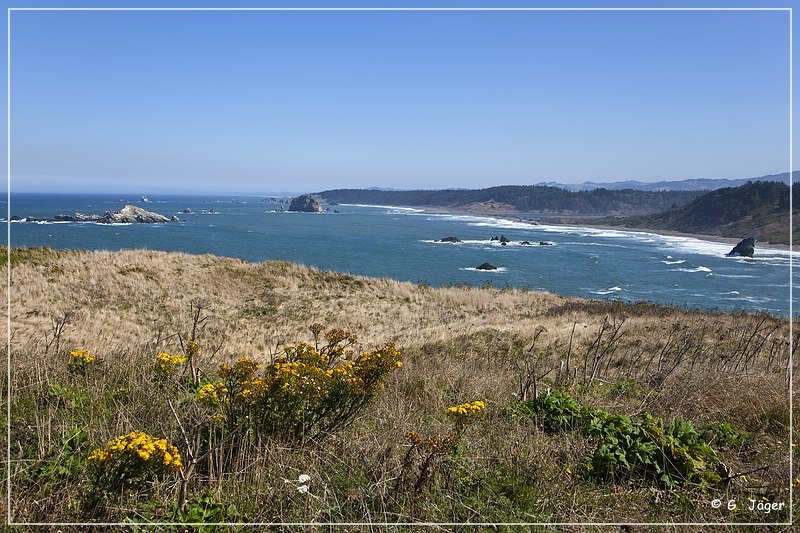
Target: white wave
682,244
484,222
499,244
678,262
735,276
610,290
731,292
394,207
498,269
696,269
754,299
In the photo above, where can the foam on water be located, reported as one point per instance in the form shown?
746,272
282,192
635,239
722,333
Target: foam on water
497,270
391,207
610,290
696,269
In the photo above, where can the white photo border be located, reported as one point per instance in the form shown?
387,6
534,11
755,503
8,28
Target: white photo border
387,524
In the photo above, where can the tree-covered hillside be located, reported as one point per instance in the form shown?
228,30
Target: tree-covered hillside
524,198
757,209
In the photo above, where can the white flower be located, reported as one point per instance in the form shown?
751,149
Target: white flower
302,489
303,478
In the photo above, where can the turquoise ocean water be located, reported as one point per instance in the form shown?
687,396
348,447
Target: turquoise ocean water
399,243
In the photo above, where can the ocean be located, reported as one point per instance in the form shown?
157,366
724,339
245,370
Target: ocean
400,243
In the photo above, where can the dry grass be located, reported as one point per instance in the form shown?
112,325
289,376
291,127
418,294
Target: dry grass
460,343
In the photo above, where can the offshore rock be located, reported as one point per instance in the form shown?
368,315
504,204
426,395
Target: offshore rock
745,248
305,204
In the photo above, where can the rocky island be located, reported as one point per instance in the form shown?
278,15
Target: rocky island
305,203
130,214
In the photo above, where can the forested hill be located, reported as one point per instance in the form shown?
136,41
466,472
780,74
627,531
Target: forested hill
756,209
523,198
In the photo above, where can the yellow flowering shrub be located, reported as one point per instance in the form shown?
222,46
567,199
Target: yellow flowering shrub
133,456
166,364
436,444
212,394
193,348
80,360
306,391
466,413
426,453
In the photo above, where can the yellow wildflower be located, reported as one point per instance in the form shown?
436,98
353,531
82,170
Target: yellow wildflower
166,364
467,413
80,360
193,348
139,453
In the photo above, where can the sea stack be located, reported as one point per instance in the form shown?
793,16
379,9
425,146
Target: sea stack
745,248
449,239
305,204
486,266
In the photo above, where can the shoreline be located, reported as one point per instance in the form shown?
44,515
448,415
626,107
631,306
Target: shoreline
526,218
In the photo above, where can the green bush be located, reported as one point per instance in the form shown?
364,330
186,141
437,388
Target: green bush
554,411
723,433
643,447
639,447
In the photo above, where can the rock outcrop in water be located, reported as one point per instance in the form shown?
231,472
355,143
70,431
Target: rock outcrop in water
745,248
305,204
130,214
504,239
449,239
486,266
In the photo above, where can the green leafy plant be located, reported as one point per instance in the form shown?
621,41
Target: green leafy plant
640,447
205,509
554,411
644,447
723,433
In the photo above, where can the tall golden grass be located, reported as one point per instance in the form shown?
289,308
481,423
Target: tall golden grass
461,344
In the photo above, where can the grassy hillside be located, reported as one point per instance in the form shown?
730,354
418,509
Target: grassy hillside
557,377
757,209
523,198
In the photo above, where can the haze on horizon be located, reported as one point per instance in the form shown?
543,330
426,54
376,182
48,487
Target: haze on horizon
227,102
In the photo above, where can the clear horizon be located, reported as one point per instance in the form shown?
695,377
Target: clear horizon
214,102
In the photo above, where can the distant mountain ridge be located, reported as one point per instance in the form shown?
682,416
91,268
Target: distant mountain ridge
694,184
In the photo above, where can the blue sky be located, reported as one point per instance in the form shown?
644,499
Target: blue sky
303,101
